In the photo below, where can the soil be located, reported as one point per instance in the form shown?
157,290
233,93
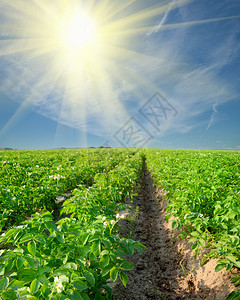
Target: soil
167,269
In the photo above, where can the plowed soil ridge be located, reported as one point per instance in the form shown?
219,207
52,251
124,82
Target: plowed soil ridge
165,270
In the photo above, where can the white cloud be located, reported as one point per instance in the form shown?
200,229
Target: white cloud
213,116
164,18
192,87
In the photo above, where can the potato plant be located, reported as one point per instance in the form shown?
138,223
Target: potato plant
30,181
203,193
76,257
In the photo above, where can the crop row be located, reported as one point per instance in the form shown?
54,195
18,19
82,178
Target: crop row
203,193
31,180
76,257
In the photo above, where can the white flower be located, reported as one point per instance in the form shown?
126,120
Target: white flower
117,216
37,166
56,280
105,223
112,222
59,287
104,218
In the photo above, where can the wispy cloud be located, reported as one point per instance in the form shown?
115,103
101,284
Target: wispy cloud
170,63
213,116
163,20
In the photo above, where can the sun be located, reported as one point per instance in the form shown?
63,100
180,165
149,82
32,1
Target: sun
79,31
76,58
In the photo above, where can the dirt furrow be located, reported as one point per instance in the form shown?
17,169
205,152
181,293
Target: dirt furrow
163,270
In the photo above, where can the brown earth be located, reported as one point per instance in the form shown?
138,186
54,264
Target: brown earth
167,269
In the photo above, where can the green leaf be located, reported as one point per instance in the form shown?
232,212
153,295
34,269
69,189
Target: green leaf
104,261
4,283
43,270
30,259
10,233
139,247
126,266
76,296
34,286
79,284
60,272
16,284
9,265
99,296
40,239
107,242
32,248
194,246
235,295
201,242
50,226
65,259
47,215
106,270
232,259
45,291
9,295
85,296
94,237
219,267
2,270
60,238
192,239
123,278
43,279
85,250
96,248
27,237
130,249
71,266
85,237
114,273
27,272
90,278
194,233
19,263
236,280
174,224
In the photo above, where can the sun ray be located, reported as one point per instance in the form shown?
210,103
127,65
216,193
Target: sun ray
143,30
193,23
110,10
41,89
146,14
80,53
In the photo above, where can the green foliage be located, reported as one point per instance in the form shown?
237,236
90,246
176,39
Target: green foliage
75,257
203,193
30,181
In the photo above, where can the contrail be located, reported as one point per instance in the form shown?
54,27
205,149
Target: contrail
163,19
213,116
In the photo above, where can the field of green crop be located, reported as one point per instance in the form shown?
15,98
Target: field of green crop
75,255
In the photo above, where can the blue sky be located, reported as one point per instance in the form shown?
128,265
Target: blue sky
168,76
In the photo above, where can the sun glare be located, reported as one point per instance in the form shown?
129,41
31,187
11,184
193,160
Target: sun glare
80,31
78,55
